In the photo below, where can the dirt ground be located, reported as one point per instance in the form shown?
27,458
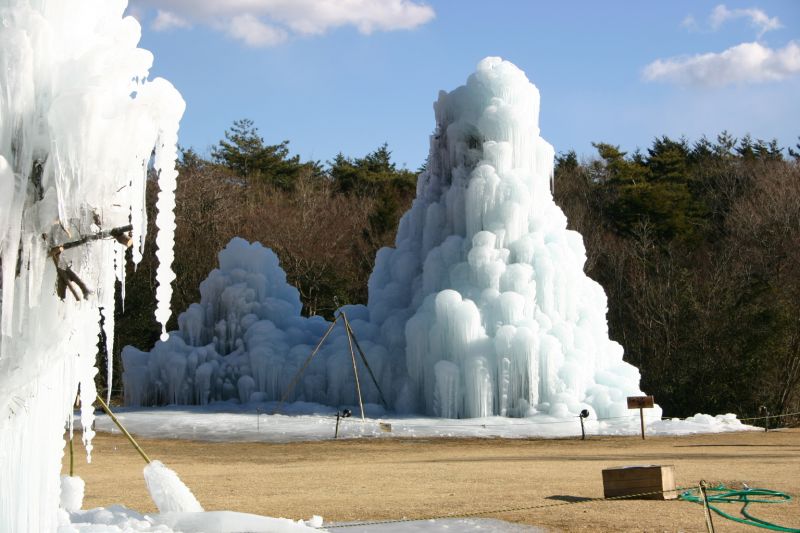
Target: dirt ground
376,479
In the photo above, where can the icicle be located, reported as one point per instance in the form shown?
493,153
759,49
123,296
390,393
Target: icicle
73,152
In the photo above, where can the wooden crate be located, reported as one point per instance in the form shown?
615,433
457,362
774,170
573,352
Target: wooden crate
629,480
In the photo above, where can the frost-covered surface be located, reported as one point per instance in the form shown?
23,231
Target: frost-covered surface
465,525
227,422
79,124
481,309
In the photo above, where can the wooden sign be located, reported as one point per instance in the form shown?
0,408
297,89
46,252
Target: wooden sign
640,402
385,427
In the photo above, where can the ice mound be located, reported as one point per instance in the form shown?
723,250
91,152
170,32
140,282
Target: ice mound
246,341
168,491
72,490
481,309
484,293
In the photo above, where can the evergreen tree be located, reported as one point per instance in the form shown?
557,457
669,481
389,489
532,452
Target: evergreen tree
243,151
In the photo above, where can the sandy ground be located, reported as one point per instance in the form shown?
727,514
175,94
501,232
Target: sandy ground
375,479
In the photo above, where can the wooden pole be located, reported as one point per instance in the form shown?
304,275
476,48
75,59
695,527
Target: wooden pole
355,370
641,419
336,433
583,432
352,335
706,509
122,429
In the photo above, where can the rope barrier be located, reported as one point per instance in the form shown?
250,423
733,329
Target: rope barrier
569,421
770,416
746,496
503,510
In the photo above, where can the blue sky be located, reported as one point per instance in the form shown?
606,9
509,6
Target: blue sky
348,75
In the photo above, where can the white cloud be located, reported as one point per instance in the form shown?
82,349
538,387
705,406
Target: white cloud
166,20
270,22
758,19
255,33
690,23
743,63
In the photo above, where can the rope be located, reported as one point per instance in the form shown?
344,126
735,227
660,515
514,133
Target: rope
504,510
722,494
569,421
770,416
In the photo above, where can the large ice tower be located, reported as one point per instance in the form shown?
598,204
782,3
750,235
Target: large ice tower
80,127
485,292
481,309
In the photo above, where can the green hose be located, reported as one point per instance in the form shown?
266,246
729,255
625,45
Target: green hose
722,494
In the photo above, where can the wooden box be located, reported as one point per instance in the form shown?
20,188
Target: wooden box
629,480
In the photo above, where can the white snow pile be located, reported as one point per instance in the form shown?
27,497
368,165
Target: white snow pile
80,124
168,491
233,422
119,519
482,308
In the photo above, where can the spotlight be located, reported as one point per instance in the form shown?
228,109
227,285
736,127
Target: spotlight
344,413
584,414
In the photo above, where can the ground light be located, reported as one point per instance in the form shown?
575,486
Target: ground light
584,414
339,415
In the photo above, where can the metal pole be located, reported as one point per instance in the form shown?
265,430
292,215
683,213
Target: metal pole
583,433
336,433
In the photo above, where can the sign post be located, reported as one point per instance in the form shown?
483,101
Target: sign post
641,403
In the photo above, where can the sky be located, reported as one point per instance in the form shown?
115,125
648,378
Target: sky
348,75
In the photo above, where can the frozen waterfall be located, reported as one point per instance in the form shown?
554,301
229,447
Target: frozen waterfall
482,308
80,125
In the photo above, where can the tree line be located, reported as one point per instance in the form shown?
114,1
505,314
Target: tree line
696,244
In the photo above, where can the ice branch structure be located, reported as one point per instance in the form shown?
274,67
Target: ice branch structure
482,308
80,128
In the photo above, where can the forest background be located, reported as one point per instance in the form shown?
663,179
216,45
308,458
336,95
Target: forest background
697,245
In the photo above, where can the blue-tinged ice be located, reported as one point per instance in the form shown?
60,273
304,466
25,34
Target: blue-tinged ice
482,307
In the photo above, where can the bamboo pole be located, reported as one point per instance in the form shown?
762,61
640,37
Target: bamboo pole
355,370
71,455
352,334
122,429
303,368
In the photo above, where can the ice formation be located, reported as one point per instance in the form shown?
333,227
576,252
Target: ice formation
482,308
80,125
168,491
